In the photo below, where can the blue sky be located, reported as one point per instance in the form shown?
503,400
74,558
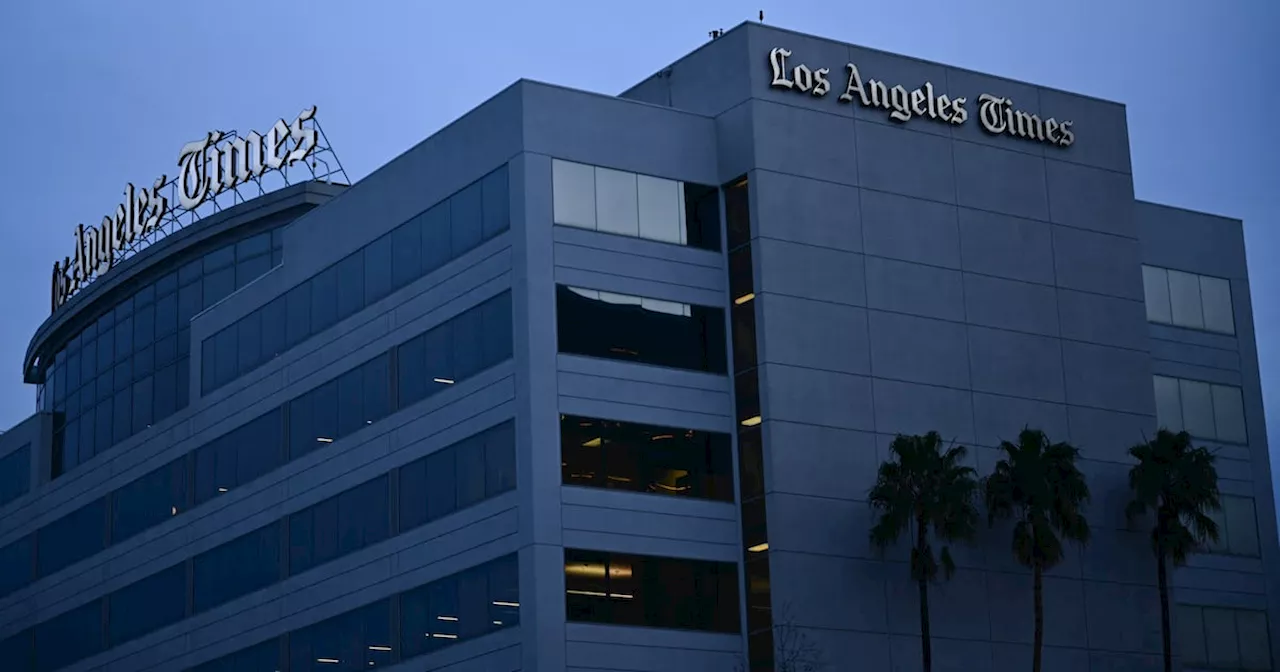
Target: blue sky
97,94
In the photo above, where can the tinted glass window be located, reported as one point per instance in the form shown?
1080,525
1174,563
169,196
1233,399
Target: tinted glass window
15,474
237,568
497,208
645,458
466,218
377,269
339,525
651,591
436,237
72,537
264,657
149,501
69,637
356,640
298,314
324,300
16,564
640,330
148,605
406,258
350,285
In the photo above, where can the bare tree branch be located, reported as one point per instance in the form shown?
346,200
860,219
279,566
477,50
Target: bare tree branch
793,651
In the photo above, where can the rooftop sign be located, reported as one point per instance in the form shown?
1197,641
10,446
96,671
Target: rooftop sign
996,114
219,163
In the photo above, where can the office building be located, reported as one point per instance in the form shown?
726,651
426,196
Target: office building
592,382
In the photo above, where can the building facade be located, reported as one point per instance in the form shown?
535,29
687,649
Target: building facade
589,382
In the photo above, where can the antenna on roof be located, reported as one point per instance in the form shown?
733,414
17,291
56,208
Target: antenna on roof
716,33
762,16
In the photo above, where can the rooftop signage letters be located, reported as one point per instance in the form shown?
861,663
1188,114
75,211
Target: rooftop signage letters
207,167
996,114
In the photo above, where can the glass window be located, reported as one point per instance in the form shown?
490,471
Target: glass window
1215,294
219,258
411,363
166,392
1197,408
218,285
71,538
496,329
324,300
616,207
19,650
144,326
166,314
376,376
618,589
1189,623
252,268
469,461
497,208
227,359
573,187
15,474
149,501
500,459
298,317
124,337
356,640
1228,414
248,335
350,406
238,457
339,525
377,269
1221,639
143,400
274,321
441,483
468,344
1184,294
16,564
437,245
1255,645
640,330
122,418
645,458
66,638
661,210
466,218
406,255
438,353
190,302
237,568
350,285
1237,526
1168,403
1155,286
148,605
737,209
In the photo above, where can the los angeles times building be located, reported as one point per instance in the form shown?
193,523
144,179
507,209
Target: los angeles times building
593,382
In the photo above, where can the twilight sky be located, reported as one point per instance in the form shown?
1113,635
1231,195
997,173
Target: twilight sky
97,94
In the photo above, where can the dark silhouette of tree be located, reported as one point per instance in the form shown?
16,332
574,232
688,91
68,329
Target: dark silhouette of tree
924,491
793,651
1038,486
1180,484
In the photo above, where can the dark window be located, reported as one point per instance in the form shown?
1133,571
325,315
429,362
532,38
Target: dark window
496,328
237,568
248,336
143,402
645,331
350,285
436,237
19,650
218,285
411,365
469,461
429,617
751,462
274,321
356,640
759,602
737,210
339,525
298,314
149,501
442,483
190,302
468,344
72,538
702,216
324,300
440,371
238,457
645,458
460,475
747,392
500,459
252,268
227,359
406,257
15,474
377,269
144,326
466,219
497,203
743,311
66,638
16,564
650,591
166,314
124,337
148,605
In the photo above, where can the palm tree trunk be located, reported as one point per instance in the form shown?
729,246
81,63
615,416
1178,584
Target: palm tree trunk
1163,580
1037,591
926,650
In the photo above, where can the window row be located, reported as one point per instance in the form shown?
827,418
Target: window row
640,206
644,590
127,370
449,480
462,606
475,340
15,474
1188,300
1237,527
421,245
641,330
1221,638
645,458
1203,410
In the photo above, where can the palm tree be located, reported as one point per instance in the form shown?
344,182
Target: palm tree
1179,482
922,489
1038,485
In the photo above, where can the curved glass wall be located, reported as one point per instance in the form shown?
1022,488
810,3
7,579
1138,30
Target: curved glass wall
129,369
